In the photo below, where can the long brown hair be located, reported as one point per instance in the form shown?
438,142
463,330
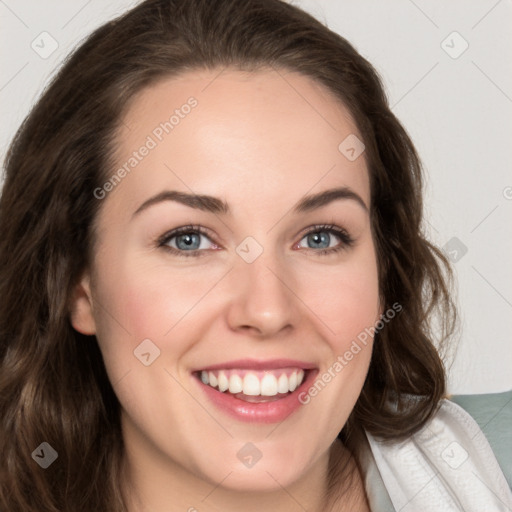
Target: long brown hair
53,384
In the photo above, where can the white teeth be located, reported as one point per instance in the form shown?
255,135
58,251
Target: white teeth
212,379
267,383
251,385
292,381
235,384
223,382
282,384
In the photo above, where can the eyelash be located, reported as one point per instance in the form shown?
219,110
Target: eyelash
346,240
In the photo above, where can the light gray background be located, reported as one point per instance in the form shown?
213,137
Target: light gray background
456,105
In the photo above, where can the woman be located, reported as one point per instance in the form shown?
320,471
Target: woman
215,290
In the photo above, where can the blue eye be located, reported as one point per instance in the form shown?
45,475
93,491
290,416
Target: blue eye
327,239
187,239
319,240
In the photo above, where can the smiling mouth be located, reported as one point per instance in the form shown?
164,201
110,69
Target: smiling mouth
254,386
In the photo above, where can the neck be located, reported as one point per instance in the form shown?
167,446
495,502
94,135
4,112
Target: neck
345,487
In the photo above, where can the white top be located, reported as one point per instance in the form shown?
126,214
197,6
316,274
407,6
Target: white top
448,466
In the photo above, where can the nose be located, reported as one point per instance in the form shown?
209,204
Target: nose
263,302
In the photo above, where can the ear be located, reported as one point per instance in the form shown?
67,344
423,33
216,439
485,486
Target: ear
80,307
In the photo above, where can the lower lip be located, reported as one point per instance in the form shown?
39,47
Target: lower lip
264,412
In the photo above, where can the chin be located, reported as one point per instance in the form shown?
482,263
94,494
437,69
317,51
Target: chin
262,479
267,467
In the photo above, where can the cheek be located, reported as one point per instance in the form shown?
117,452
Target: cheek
344,297
156,300
141,300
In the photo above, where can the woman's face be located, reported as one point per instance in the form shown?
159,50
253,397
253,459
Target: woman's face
266,289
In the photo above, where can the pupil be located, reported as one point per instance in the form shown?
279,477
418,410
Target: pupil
321,238
188,241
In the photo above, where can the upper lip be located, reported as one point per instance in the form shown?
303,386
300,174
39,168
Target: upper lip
259,364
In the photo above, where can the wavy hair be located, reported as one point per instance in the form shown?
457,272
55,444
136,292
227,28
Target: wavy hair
53,383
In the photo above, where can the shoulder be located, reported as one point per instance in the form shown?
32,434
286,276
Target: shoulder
450,464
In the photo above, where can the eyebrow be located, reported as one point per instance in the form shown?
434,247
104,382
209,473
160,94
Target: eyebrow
315,201
199,202
218,206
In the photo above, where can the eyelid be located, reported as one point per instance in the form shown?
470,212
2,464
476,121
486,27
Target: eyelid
184,229
314,228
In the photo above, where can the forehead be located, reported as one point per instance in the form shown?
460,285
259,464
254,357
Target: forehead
227,132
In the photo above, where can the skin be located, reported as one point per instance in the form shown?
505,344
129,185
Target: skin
259,141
